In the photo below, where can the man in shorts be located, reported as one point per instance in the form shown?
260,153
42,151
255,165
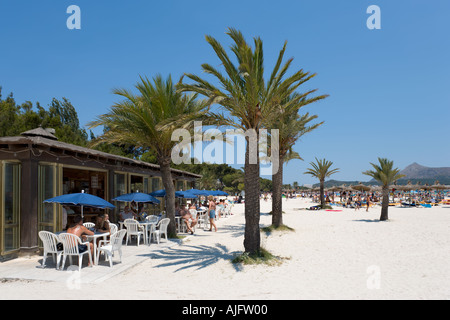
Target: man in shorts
79,230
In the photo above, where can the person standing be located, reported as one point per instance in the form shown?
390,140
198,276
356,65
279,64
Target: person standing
367,202
212,213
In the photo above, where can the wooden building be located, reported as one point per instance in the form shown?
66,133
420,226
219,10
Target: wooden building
36,166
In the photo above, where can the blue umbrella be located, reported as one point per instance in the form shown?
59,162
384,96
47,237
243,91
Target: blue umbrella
218,193
81,199
187,194
162,193
198,192
136,197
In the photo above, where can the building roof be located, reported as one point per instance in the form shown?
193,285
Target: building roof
40,132
37,137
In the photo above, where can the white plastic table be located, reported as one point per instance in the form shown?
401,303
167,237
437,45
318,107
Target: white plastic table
94,238
147,225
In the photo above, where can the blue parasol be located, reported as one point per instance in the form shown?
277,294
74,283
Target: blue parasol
81,199
137,197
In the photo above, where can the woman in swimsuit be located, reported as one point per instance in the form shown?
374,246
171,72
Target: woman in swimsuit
212,213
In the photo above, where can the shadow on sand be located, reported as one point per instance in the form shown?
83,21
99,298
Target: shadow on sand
193,257
369,220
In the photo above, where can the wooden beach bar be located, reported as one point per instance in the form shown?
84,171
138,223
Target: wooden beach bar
36,166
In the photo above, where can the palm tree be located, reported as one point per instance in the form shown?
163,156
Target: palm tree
147,120
247,98
291,127
386,175
321,170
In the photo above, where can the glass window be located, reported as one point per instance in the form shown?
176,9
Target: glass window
11,207
47,189
155,184
146,186
120,187
136,183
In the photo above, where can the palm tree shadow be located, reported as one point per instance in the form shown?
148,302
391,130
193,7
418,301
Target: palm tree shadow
368,220
194,257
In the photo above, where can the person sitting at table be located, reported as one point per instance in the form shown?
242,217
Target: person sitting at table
101,224
193,206
142,213
127,214
189,220
79,230
179,211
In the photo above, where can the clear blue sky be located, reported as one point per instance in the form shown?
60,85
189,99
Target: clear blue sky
389,89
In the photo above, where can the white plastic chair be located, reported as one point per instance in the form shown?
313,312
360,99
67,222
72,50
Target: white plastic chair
133,229
70,243
50,241
109,246
193,213
152,218
160,229
89,225
203,219
113,227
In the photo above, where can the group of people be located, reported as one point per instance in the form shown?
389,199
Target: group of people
102,223
188,214
77,228
133,211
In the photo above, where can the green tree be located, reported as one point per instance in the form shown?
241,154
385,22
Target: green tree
61,116
147,120
247,98
384,173
291,126
321,170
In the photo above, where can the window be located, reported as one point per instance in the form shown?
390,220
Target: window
120,187
155,184
10,206
47,212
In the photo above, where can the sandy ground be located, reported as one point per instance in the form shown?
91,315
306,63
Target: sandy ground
330,255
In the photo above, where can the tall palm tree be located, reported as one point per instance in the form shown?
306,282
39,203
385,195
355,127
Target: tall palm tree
247,98
147,120
291,127
321,170
385,174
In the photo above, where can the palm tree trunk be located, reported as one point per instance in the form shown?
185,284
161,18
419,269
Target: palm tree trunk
166,176
277,203
385,203
322,199
252,236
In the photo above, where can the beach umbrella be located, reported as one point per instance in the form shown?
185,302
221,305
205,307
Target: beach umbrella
82,200
200,192
137,197
334,189
438,186
218,193
186,194
376,188
162,193
424,187
360,187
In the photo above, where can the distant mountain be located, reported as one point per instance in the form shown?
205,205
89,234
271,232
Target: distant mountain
417,173
414,173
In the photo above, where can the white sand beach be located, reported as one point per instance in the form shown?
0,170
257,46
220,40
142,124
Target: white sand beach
331,255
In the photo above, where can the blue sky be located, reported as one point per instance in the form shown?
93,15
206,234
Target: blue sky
389,88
